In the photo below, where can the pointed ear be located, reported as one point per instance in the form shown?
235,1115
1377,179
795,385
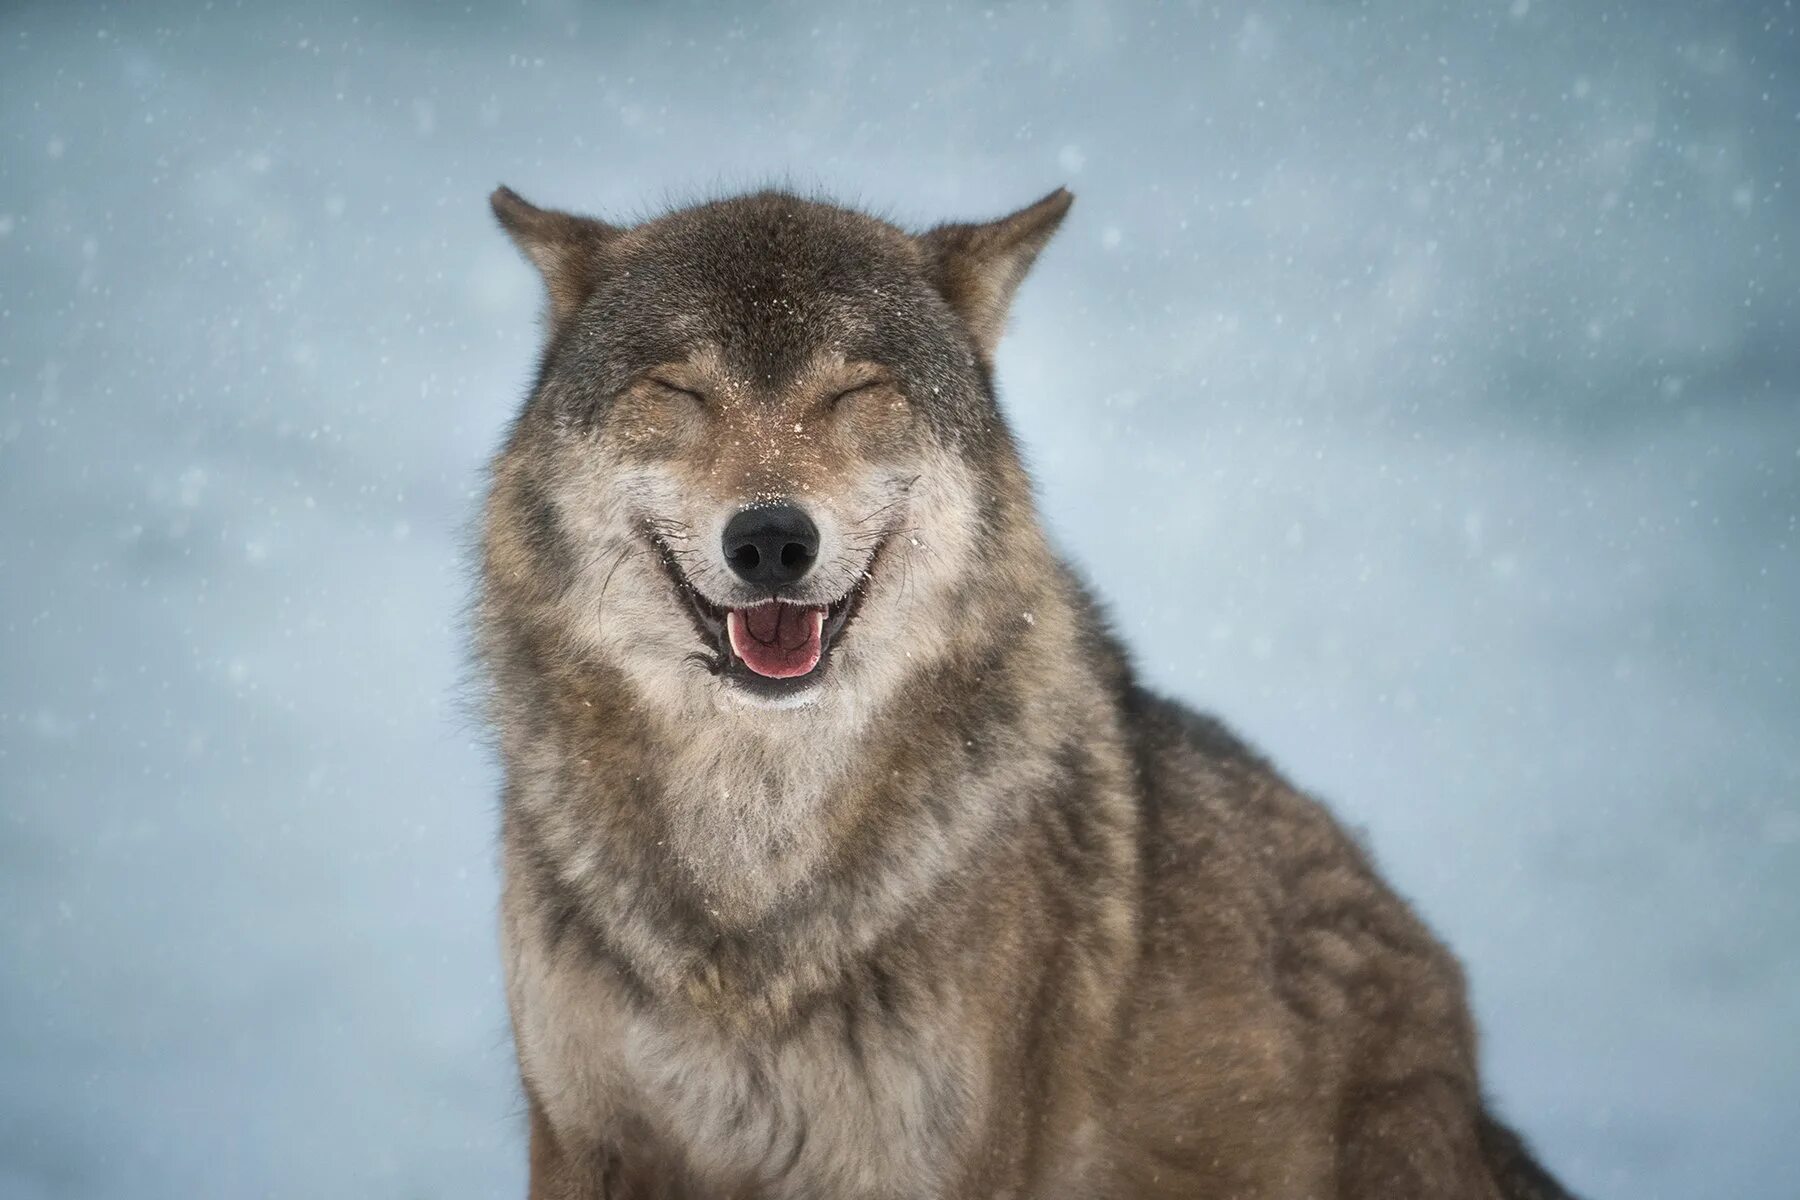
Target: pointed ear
978,267
568,250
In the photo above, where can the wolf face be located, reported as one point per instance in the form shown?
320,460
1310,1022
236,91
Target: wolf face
767,467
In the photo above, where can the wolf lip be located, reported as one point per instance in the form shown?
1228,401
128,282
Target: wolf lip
714,624
776,640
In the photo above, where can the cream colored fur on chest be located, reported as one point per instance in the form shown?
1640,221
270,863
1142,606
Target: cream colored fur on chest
848,1102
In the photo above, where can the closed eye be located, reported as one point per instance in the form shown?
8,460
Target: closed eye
666,386
867,385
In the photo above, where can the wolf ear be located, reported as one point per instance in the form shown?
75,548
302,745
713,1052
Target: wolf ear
568,250
978,267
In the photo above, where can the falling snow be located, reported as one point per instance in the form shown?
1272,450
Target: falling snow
1418,384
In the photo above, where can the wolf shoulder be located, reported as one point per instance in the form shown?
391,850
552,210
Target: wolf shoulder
1239,864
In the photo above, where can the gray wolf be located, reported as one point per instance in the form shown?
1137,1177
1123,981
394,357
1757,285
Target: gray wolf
843,854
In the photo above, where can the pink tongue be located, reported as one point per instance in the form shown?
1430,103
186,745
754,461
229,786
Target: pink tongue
777,640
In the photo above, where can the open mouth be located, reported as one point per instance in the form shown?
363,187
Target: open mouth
775,648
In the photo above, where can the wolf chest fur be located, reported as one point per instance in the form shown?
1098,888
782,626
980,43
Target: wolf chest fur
844,857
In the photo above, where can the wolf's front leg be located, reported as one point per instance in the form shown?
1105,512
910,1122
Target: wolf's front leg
628,1169
560,1173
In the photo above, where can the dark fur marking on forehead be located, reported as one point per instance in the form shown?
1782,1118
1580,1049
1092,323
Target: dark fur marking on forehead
770,280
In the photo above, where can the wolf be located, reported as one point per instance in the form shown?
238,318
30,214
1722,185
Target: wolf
843,854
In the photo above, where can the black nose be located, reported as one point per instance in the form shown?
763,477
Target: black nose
771,545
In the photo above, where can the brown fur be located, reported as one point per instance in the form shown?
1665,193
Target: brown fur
979,917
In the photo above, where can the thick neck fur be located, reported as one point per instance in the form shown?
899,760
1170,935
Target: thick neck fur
747,859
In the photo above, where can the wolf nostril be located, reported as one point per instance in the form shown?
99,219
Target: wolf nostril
771,545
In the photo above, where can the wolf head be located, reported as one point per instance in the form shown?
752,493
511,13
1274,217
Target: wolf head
763,467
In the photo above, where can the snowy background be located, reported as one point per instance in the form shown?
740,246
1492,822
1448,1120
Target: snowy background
1420,383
